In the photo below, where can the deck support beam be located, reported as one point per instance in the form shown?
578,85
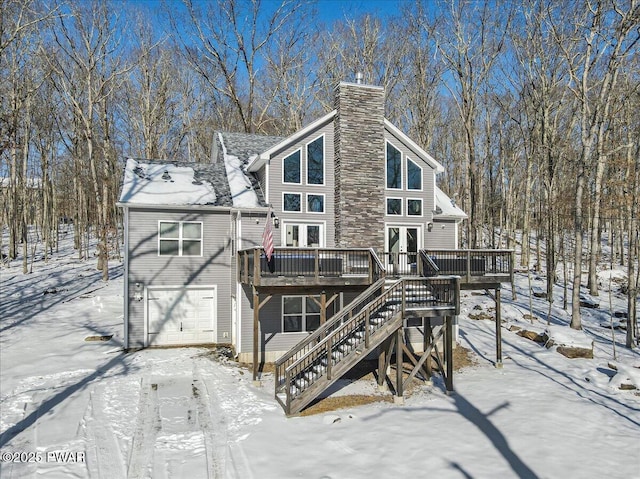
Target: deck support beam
448,353
257,306
399,355
498,330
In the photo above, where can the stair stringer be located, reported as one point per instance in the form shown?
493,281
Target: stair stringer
346,364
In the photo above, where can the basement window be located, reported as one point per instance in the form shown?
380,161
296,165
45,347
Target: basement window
300,313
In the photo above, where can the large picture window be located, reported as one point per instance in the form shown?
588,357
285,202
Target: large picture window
394,167
394,206
300,313
414,176
315,162
291,202
180,238
291,168
315,203
414,207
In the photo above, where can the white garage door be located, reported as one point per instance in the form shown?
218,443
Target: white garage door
181,316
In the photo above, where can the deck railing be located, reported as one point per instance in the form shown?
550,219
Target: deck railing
309,263
469,264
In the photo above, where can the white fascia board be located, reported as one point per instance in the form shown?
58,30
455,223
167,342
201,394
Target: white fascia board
259,161
143,206
414,146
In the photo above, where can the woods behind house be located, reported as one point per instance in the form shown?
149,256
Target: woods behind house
533,107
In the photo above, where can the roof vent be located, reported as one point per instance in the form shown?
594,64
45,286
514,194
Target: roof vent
166,176
359,78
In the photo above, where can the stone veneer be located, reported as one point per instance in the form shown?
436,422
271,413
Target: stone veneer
359,166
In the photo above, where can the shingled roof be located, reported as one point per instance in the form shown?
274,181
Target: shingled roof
221,182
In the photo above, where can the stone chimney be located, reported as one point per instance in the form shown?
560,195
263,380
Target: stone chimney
359,166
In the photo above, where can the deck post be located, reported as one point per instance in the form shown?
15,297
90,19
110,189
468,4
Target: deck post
256,266
448,353
512,266
382,362
323,307
399,398
428,337
498,330
256,329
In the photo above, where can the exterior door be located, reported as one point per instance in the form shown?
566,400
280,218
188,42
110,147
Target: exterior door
303,235
403,243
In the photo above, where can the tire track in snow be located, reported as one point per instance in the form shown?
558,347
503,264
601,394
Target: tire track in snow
235,408
108,462
212,423
147,428
25,441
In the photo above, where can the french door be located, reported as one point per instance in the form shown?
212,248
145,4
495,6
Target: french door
298,235
402,246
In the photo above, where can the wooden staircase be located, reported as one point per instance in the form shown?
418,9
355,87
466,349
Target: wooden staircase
358,329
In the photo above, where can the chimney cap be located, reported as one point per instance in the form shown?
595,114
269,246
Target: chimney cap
359,78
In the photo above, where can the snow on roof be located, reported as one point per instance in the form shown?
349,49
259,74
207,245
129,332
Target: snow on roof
164,184
447,207
242,192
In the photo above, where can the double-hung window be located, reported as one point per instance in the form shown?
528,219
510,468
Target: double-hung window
180,238
300,313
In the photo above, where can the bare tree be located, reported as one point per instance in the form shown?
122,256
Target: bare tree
228,44
594,60
470,39
88,71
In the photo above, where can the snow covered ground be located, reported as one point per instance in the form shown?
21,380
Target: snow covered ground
77,408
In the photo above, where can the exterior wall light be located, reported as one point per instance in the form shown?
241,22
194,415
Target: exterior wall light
137,295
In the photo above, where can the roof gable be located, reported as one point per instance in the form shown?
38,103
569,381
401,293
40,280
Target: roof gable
426,157
260,161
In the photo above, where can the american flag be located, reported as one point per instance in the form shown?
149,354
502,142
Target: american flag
267,237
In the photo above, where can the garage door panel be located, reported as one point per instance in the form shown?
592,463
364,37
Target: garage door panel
181,316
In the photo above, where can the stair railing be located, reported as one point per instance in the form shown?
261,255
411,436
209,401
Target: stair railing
300,349
294,372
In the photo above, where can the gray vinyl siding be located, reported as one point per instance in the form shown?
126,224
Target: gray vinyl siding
442,235
428,186
272,339
277,187
251,229
150,269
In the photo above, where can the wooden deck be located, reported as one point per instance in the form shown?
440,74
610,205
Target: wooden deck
308,267
477,268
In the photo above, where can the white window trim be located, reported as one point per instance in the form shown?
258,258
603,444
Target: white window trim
324,162
292,211
401,167
421,174
324,202
299,150
180,239
386,210
295,222
303,314
421,208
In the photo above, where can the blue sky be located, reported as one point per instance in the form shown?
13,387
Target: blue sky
329,10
